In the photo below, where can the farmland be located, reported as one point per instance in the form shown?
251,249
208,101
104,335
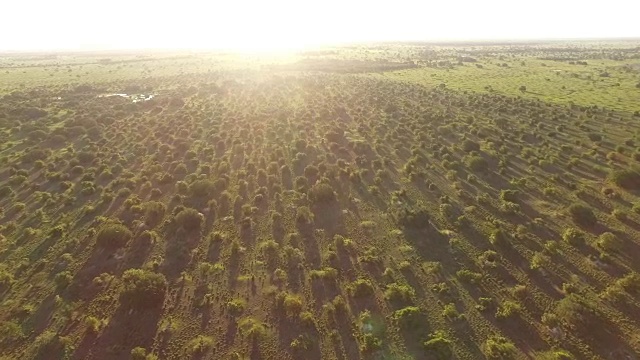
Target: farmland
387,201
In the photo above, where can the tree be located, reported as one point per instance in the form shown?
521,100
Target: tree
582,215
522,88
143,289
113,236
322,193
190,219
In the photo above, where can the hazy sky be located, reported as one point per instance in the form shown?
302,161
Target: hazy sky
84,24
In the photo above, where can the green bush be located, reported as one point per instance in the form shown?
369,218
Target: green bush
608,242
200,345
202,189
304,215
10,332
143,289
409,318
417,218
361,288
477,163
322,193
252,329
189,219
498,347
628,179
154,212
370,343
399,293
573,236
438,346
470,145
582,215
113,236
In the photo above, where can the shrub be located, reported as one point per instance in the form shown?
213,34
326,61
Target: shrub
236,306
450,312
302,342
143,289
438,346
582,215
6,192
202,189
370,343
509,195
10,332
154,212
477,163
573,236
470,145
608,242
594,136
63,279
628,179
417,218
138,353
252,328
507,309
200,345
361,288
399,293
467,275
304,215
574,310
113,236
93,324
322,193
410,317
190,219
6,280
498,347
290,303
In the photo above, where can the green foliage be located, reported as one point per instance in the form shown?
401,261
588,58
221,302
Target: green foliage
498,347
370,343
189,219
6,280
361,288
582,215
399,293
508,309
608,242
113,236
199,345
555,355
290,303
252,329
138,353
509,195
304,215
438,346
573,236
236,306
202,189
301,343
416,218
10,332
469,146
322,193
410,317
143,289
628,179
477,163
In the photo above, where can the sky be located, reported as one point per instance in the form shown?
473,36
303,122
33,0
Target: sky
292,24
